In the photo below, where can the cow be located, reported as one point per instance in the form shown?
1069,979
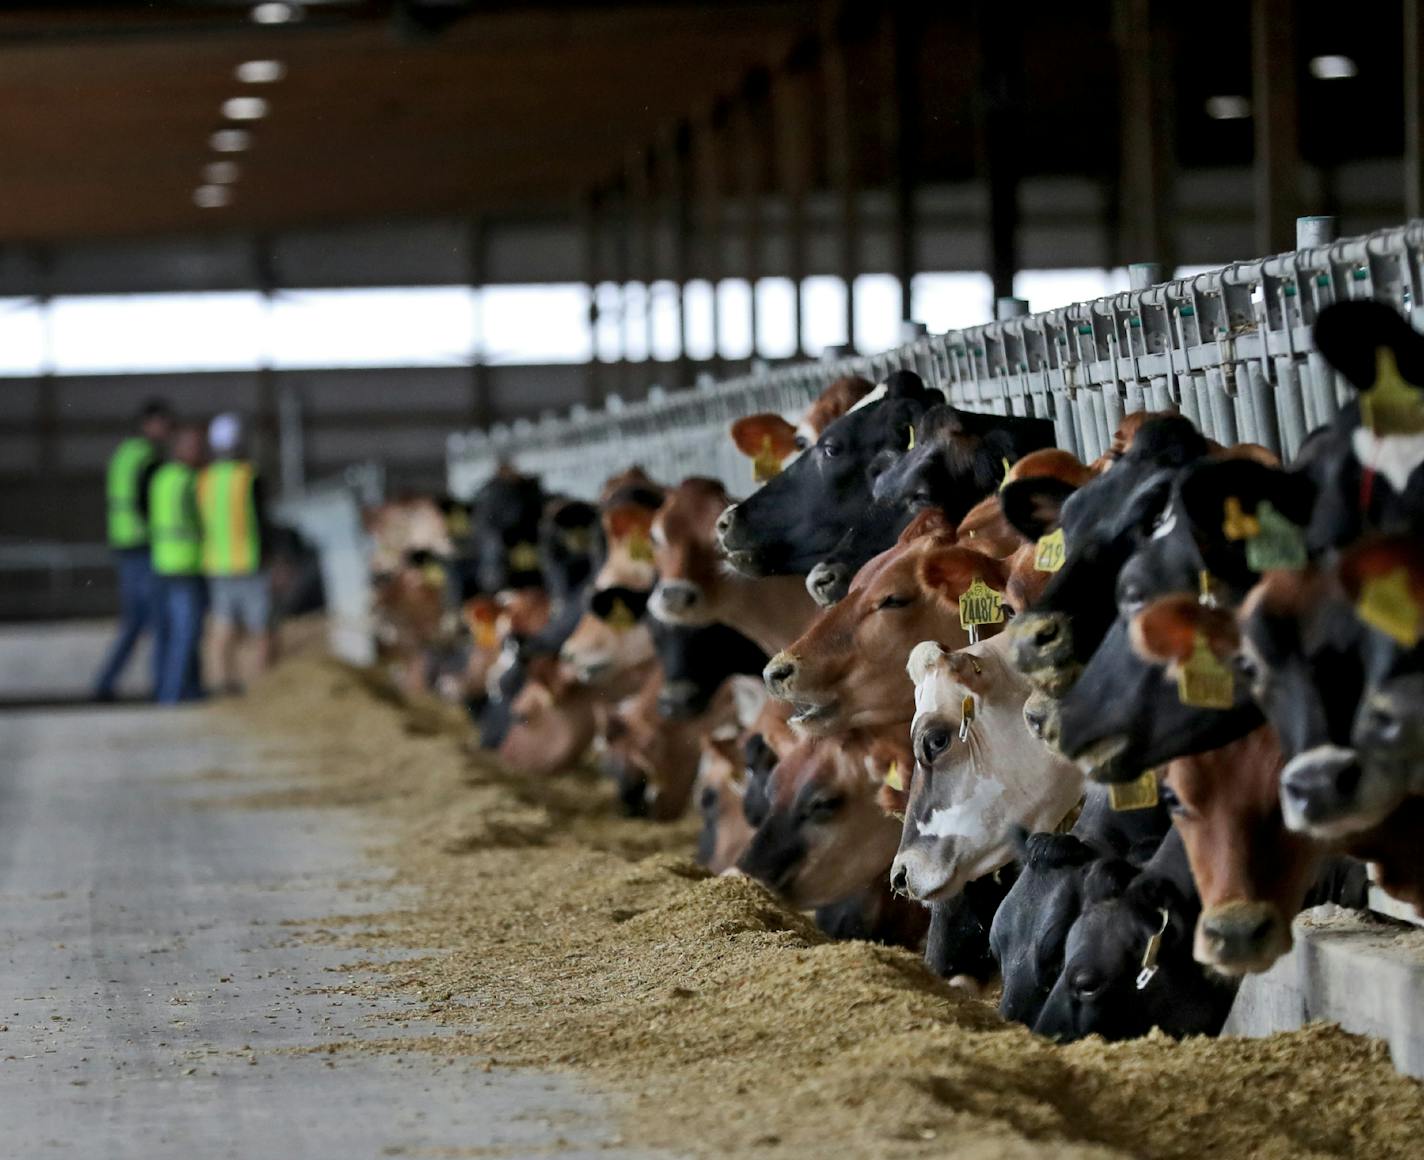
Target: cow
400,526
978,774
613,641
797,518
552,721
846,671
721,792
695,587
1127,959
1101,523
409,610
504,531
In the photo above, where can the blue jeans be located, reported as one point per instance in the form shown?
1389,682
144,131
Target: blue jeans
137,612
182,601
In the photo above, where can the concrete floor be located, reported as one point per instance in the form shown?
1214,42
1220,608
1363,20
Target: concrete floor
149,986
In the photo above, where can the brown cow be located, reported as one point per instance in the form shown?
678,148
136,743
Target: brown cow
554,721
847,670
696,586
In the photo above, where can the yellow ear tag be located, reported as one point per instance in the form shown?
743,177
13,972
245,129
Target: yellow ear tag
980,604
1203,682
1278,544
1003,483
434,575
1138,794
1237,525
766,464
457,523
640,548
575,540
1392,406
485,635
892,777
1387,604
1207,596
1050,552
524,557
911,446
620,617
966,717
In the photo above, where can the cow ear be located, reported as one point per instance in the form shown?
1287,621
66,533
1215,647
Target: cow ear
628,520
766,435
1352,334
1034,506
1166,631
1384,579
930,522
1221,497
1052,462
905,385
749,696
948,571
1107,878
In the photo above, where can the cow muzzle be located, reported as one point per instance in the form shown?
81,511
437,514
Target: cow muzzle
1241,938
1042,716
1041,647
676,601
782,677
828,583
732,541
922,876
1324,793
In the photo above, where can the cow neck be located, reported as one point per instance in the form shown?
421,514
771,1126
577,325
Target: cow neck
771,611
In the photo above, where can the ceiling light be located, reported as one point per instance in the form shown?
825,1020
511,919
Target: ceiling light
221,172
1228,108
276,13
245,108
1332,68
231,140
260,72
211,196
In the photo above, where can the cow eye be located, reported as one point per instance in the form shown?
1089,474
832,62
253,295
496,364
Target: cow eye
893,601
933,742
1246,667
1170,799
709,800
800,443
1087,984
829,448
821,808
1132,597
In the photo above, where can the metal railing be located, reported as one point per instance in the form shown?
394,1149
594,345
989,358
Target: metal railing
1231,348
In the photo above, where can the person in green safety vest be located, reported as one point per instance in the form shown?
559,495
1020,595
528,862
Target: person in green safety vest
176,543
131,467
230,505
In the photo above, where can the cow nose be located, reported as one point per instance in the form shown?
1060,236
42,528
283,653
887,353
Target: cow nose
677,596
900,879
828,583
1318,785
1040,641
779,674
1241,937
1041,716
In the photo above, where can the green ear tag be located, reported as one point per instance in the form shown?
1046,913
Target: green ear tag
620,617
980,604
1138,794
1203,682
1051,551
1278,544
1387,604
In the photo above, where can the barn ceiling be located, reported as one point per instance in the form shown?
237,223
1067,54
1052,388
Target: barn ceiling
106,110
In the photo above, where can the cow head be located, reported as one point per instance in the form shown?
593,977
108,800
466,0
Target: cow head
696,662
570,544
692,577
1251,872
721,788
551,722
799,516
504,531
978,775
846,670
611,639
1101,523
823,837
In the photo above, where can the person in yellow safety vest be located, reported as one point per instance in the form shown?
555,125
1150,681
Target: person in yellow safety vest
230,504
176,542
131,467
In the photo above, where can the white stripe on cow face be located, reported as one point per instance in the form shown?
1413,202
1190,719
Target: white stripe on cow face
978,818
1394,456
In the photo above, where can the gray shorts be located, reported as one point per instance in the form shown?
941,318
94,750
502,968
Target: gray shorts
241,600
